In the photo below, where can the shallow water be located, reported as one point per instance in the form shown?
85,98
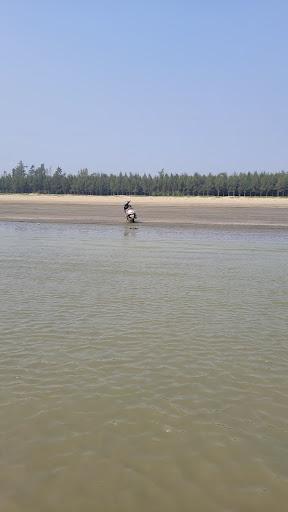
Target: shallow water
143,369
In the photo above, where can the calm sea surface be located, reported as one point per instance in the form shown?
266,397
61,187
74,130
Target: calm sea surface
143,369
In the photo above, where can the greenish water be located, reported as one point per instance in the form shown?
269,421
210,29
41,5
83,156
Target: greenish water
143,369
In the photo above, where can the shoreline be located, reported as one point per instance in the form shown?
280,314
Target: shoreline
84,199
270,212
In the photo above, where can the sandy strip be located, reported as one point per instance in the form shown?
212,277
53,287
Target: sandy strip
210,211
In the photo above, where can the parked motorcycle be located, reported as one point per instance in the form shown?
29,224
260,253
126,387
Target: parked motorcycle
129,212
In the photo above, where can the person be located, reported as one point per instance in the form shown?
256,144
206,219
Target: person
126,206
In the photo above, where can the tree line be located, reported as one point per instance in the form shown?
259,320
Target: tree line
41,180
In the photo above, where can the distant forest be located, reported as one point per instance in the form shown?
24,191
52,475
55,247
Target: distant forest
41,180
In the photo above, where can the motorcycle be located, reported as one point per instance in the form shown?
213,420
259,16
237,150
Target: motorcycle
129,212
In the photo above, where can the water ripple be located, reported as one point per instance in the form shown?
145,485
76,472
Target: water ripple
149,379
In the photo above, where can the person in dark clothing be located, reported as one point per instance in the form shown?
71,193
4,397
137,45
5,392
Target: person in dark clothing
126,206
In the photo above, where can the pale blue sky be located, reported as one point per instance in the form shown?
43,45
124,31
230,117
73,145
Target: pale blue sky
143,85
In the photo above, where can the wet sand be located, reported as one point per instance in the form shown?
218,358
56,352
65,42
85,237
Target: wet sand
178,211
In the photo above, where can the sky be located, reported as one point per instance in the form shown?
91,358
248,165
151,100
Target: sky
138,86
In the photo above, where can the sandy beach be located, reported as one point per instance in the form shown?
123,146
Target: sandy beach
185,211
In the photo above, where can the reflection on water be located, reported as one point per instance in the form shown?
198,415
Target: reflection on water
130,230
143,369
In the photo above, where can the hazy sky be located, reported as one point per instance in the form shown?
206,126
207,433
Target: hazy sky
143,85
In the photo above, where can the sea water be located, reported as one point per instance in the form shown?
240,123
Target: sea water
143,368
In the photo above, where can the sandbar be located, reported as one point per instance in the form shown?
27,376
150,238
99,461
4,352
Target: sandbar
157,210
